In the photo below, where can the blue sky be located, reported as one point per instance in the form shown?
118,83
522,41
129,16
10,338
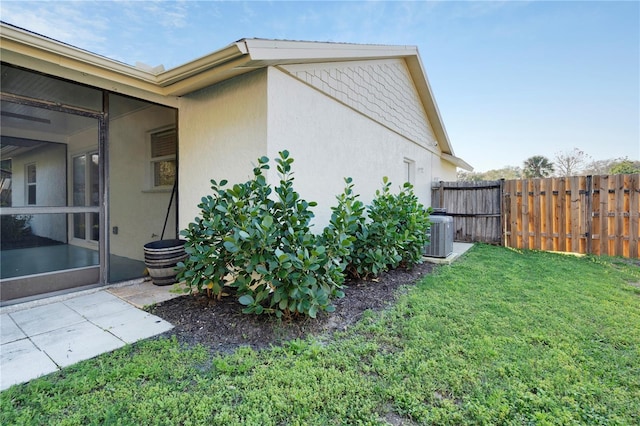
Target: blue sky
511,79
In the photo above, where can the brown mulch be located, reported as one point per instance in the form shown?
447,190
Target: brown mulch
223,327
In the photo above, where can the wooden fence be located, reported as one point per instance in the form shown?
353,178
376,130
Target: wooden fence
475,207
582,214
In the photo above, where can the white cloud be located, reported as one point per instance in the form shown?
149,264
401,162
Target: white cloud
63,21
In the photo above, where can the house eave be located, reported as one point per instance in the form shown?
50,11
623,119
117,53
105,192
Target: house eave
457,161
27,49
17,40
285,51
235,59
428,101
247,55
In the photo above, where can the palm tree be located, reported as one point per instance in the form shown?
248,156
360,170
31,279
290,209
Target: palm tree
537,166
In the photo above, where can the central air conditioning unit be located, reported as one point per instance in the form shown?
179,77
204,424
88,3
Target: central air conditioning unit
440,235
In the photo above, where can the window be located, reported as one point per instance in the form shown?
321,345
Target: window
31,184
410,170
86,192
163,158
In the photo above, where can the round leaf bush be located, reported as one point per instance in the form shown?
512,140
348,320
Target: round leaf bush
260,244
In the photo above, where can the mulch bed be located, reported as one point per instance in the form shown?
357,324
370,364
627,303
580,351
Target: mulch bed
223,327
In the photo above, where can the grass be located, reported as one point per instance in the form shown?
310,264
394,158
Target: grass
500,337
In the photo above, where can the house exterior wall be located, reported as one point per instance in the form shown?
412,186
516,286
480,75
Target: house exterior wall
222,131
444,171
330,140
136,209
50,171
383,90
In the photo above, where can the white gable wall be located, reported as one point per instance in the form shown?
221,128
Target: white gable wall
382,90
222,131
330,140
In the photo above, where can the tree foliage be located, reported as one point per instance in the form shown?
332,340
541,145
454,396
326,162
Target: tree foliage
574,162
507,172
537,166
570,163
625,167
612,166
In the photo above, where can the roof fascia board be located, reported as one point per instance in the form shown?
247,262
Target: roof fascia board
457,161
235,53
88,76
284,51
45,45
25,48
209,77
428,100
21,47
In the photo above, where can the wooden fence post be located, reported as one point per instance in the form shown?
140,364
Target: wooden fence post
503,226
589,214
634,214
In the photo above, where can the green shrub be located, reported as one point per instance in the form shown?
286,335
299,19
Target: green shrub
346,218
262,246
14,227
394,234
412,224
260,243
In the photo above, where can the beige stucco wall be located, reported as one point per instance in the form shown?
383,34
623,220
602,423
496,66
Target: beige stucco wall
136,209
225,128
330,140
223,131
50,164
444,171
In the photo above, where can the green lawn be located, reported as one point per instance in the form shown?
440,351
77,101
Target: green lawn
500,337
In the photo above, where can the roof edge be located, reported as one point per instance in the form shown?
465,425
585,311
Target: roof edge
33,40
237,58
457,161
219,57
428,100
283,50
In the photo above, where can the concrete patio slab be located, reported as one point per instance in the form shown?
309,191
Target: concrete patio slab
75,343
9,330
458,250
97,305
46,318
39,339
133,325
22,361
146,293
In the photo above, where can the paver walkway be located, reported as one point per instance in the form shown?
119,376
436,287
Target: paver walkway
45,338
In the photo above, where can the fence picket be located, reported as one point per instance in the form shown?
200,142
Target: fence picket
559,217
634,215
575,214
619,218
604,215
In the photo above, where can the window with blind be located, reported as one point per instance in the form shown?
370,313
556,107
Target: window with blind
163,158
